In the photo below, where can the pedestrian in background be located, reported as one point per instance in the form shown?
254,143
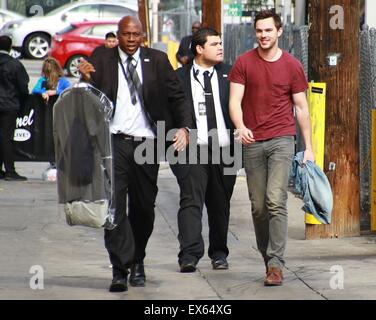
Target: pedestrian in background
109,42
13,90
184,54
266,83
52,82
50,85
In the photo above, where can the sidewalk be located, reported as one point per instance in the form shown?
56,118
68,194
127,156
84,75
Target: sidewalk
75,264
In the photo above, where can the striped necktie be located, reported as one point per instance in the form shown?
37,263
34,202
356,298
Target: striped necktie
134,83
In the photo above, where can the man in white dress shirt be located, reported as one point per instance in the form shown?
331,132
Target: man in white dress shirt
206,87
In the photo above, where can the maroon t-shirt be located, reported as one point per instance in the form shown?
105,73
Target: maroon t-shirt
267,103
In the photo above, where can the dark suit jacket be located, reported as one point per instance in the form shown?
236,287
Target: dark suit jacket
164,99
223,71
184,73
185,49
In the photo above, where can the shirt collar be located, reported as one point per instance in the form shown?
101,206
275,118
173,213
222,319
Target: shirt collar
202,69
124,56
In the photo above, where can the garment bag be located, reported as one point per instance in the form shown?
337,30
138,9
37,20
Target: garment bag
81,121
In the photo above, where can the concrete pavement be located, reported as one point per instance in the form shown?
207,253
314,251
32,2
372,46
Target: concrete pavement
35,240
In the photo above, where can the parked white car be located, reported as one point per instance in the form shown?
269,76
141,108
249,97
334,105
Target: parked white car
6,16
32,36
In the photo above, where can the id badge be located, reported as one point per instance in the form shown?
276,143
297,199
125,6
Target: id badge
202,108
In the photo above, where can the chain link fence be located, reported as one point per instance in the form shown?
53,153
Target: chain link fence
367,104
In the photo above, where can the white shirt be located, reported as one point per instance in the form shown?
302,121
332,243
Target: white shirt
129,118
199,97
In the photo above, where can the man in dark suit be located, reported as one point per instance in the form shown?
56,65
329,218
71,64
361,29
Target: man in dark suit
207,89
184,54
145,90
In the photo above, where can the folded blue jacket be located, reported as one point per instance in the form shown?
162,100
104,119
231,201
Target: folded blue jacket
314,188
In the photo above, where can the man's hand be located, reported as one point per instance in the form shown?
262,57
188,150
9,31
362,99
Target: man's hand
181,139
85,69
244,136
308,156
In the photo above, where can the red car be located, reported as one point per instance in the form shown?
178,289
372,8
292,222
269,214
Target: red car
78,41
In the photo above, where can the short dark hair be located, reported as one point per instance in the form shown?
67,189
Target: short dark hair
200,37
265,14
5,43
110,35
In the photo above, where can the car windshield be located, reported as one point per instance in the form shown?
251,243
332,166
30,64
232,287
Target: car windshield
57,10
67,29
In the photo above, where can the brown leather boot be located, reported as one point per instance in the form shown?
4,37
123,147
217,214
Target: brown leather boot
274,277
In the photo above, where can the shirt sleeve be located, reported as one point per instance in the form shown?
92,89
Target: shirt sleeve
238,73
299,80
38,89
62,85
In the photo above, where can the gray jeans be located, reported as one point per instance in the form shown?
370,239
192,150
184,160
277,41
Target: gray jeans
267,165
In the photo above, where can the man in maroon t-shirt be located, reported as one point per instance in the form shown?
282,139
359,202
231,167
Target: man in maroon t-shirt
266,83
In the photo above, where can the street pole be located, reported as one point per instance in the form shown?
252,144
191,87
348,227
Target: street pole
300,13
154,4
370,12
334,59
143,14
212,14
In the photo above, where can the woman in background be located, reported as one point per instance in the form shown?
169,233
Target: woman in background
50,85
52,82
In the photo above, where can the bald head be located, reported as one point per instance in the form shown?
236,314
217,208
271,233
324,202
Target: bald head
129,20
130,34
196,26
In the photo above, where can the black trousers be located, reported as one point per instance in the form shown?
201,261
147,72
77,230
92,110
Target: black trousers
127,242
203,184
7,127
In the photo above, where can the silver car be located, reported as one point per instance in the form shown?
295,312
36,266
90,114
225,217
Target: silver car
7,16
32,36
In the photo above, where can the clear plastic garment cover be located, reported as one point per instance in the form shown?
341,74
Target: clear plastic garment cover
83,154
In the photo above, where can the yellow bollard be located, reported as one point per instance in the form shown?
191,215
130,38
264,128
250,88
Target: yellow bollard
317,109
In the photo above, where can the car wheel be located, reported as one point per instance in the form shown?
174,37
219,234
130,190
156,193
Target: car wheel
72,65
37,45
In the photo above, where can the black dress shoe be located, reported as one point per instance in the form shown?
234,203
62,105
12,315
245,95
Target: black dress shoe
137,277
14,176
118,284
188,266
219,264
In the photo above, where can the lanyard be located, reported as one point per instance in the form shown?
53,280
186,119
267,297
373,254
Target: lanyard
122,68
196,72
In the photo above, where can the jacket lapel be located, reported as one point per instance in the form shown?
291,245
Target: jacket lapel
223,90
114,72
187,86
146,66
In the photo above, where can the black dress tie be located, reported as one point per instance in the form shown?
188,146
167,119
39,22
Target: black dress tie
213,140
